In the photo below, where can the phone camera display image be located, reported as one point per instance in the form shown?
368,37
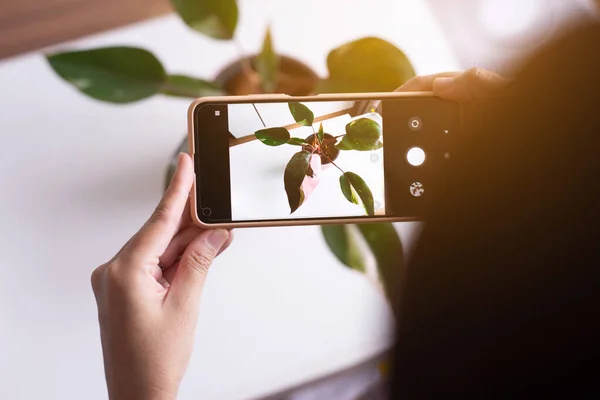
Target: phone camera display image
318,160
305,160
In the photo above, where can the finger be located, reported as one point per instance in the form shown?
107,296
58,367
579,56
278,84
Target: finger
170,272
424,83
181,241
186,287
178,244
157,274
186,217
227,243
472,85
156,234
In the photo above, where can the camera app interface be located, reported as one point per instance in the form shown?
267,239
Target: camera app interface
317,160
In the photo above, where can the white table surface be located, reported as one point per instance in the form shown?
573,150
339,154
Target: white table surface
78,177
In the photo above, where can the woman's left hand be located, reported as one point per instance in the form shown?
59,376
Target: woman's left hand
148,296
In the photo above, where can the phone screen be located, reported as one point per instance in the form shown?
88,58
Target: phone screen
269,161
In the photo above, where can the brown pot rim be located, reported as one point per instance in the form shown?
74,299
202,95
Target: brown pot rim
324,161
233,68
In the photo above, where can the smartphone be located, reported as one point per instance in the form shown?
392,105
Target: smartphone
277,160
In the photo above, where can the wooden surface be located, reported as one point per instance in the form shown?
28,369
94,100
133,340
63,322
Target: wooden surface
27,25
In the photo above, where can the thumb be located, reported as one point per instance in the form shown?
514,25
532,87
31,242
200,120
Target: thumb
474,84
187,285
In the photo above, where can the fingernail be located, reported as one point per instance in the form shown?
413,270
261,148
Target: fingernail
164,283
177,166
179,160
217,238
443,84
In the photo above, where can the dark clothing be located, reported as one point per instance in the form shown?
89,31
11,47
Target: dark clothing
502,298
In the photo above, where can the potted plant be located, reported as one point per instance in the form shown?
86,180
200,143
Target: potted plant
125,74
302,173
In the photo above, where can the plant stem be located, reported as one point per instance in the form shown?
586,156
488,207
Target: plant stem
259,116
334,164
246,65
247,68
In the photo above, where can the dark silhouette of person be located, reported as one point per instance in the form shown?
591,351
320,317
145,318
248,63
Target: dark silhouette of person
502,295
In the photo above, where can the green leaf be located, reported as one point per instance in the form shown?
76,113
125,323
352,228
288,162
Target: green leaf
344,145
362,134
295,171
215,18
273,136
366,65
355,188
267,64
342,243
321,133
382,241
301,114
113,74
349,193
186,86
385,244
297,142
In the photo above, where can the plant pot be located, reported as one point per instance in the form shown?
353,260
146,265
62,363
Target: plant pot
329,151
240,78
295,78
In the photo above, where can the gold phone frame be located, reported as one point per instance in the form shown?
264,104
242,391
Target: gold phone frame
286,98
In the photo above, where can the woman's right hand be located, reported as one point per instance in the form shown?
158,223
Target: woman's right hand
471,85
